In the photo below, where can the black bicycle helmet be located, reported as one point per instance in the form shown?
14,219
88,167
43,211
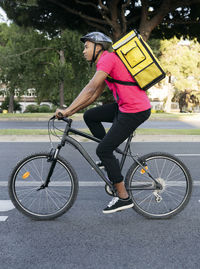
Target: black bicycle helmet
98,38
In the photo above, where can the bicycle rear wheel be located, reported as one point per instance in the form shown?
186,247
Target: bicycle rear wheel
50,202
176,183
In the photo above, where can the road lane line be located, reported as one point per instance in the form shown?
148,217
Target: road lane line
81,183
57,183
6,205
187,154
3,218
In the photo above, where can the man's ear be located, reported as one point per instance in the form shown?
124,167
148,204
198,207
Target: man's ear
98,47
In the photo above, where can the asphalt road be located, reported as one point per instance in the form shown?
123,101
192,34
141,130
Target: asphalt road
80,124
84,238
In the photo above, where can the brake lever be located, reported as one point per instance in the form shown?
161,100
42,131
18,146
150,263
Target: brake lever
53,118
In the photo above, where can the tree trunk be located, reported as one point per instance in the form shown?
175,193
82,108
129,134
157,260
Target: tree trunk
145,31
61,94
147,25
11,103
170,95
61,88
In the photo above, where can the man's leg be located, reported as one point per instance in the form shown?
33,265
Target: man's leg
95,116
123,126
121,190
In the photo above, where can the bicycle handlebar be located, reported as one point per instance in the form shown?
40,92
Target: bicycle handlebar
69,121
65,119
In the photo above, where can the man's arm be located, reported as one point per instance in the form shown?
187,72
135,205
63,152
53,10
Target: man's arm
88,95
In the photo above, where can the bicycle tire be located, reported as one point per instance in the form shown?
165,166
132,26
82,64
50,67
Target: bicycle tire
45,204
174,177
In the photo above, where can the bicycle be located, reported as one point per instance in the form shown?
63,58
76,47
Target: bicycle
44,185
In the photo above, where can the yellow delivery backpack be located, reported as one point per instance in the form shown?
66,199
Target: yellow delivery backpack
139,60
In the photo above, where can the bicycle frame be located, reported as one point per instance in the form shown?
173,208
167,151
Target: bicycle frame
67,139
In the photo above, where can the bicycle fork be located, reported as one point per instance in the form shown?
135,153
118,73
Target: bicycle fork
53,159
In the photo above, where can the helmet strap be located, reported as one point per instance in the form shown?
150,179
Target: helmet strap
93,56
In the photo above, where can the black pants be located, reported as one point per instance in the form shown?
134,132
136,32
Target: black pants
123,125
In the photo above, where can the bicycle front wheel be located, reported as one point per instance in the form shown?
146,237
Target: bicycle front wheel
176,183
50,202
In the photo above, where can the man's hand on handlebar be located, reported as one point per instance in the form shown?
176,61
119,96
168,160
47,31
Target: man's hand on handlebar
60,113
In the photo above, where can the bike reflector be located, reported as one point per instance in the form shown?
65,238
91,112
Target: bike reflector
144,171
25,175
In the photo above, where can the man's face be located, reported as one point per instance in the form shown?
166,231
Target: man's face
88,50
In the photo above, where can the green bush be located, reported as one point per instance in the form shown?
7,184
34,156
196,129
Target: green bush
32,109
44,109
38,109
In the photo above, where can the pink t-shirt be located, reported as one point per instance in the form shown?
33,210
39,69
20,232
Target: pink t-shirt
131,99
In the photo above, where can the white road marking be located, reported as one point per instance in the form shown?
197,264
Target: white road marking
6,205
58,183
187,154
3,218
82,184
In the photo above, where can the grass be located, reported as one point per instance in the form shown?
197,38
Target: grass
34,116
168,131
23,132
172,116
142,131
25,115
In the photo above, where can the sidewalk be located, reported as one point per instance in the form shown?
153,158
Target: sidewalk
137,138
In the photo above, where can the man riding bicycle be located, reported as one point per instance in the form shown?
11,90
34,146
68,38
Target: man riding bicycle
131,108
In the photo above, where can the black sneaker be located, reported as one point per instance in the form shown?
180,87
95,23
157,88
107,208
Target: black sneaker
100,165
117,204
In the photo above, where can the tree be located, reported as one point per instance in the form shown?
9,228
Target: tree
187,101
52,66
11,69
162,18
181,60
68,69
6,102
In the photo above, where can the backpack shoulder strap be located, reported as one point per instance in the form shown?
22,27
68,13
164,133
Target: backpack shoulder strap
128,83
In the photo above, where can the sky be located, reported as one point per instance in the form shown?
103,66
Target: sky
3,17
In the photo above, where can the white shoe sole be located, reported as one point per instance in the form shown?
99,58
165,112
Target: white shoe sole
118,209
